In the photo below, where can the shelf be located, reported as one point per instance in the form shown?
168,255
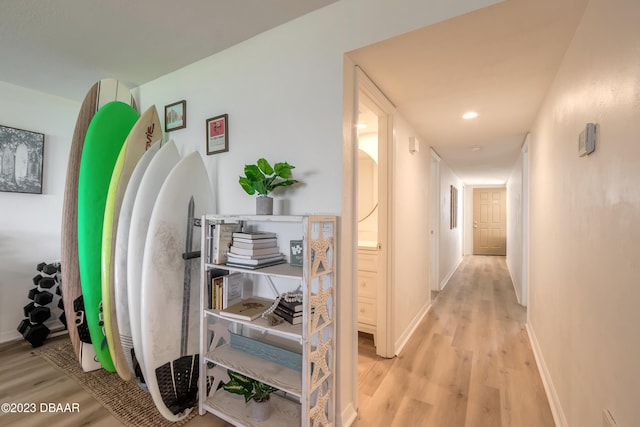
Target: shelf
260,218
279,270
285,379
284,329
233,409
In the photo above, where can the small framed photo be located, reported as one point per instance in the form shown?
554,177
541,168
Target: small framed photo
218,134
175,116
21,154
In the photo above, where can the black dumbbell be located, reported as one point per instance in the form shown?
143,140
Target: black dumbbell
27,309
39,314
50,269
33,292
36,279
61,304
43,298
41,266
47,282
59,290
36,334
22,326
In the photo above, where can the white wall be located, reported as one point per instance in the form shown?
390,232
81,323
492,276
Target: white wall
283,91
514,226
450,253
410,247
30,223
585,223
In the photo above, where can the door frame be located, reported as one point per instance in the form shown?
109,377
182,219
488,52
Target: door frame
434,274
378,102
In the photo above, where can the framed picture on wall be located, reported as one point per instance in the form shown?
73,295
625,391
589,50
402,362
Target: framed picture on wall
21,154
218,134
175,116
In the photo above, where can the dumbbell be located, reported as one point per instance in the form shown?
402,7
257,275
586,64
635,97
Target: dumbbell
47,282
35,334
39,314
43,298
33,292
50,269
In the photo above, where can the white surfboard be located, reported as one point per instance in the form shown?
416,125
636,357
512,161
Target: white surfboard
152,180
146,130
120,260
171,290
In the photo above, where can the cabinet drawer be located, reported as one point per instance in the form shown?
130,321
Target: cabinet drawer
367,261
367,312
367,284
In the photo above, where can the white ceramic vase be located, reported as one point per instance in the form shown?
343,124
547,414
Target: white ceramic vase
260,411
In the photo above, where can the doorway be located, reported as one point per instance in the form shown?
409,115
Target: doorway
375,126
490,221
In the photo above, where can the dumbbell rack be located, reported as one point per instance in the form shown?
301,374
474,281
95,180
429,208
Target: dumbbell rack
46,297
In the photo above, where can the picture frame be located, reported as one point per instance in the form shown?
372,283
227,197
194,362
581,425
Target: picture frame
21,159
217,134
175,116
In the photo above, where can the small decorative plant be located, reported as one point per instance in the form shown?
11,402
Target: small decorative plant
248,387
261,178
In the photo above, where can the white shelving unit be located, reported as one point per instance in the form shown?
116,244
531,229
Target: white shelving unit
306,397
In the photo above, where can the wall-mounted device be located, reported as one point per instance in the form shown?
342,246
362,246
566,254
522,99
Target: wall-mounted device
587,140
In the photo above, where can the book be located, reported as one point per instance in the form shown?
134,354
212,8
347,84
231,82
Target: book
254,235
222,237
255,244
238,257
291,306
232,290
296,258
254,267
260,251
247,309
294,320
261,259
288,311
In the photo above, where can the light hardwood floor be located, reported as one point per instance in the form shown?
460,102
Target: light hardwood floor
469,362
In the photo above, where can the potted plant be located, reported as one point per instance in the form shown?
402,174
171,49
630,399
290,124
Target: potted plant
251,389
262,178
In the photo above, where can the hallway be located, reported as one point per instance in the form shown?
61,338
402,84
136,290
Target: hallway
469,362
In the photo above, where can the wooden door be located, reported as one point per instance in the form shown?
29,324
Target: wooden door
489,221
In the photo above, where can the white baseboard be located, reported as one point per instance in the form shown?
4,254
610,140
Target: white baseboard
10,336
556,408
444,281
348,416
404,338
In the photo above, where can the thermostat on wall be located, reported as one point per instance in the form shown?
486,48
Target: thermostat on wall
587,140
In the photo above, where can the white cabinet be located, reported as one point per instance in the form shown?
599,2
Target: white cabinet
306,395
367,290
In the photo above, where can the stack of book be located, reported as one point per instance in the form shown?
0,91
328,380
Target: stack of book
254,250
290,311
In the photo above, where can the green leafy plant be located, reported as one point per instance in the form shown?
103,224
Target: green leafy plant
261,178
248,387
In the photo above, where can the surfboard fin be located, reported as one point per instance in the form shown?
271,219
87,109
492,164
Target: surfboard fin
136,367
80,320
178,383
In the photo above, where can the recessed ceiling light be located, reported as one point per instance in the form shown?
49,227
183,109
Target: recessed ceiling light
476,148
361,126
470,115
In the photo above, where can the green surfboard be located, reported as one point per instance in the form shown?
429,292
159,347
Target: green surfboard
105,136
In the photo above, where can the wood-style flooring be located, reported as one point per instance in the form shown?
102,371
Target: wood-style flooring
469,363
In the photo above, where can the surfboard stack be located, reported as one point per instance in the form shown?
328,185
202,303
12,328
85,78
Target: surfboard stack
130,210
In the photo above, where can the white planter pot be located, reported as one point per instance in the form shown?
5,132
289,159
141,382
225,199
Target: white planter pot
260,411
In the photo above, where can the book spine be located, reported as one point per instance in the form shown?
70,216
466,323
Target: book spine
290,319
